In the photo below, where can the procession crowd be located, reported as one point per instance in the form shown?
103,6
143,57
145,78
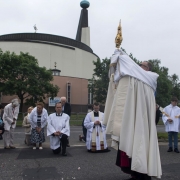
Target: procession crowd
57,124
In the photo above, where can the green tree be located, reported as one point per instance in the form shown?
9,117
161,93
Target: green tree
175,85
167,86
98,85
21,75
164,84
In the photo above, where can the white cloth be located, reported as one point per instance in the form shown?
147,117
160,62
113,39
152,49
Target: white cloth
89,124
9,114
109,99
130,116
171,112
33,118
126,66
57,123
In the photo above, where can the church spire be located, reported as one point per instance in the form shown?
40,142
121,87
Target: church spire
83,31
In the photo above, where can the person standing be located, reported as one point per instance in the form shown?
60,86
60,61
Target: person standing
66,108
129,115
27,125
38,120
10,116
58,130
96,136
171,119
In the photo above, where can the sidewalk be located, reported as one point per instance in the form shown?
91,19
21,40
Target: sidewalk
19,137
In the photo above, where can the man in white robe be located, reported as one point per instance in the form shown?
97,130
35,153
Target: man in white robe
10,116
96,137
58,130
130,114
171,119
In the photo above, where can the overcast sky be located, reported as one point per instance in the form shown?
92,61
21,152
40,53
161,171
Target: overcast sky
151,28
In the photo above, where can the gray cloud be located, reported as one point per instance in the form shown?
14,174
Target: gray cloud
150,28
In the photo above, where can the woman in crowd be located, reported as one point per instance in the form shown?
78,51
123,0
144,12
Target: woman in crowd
38,120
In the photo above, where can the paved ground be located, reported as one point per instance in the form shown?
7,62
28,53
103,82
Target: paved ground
24,163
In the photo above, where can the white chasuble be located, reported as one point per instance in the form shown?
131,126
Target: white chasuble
96,137
57,123
130,114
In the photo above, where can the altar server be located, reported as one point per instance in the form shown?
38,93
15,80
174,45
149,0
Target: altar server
171,114
58,130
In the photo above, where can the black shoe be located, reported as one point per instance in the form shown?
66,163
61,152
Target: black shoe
64,154
67,145
176,150
170,149
80,138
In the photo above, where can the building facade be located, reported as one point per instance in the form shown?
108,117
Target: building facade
73,59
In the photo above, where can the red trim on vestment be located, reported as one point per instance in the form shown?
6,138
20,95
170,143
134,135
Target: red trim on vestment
124,160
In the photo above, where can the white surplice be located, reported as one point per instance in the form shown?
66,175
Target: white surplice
130,114
90,126
57,123
171,112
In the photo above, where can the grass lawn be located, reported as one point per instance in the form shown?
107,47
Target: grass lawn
76,119
160,122
164,135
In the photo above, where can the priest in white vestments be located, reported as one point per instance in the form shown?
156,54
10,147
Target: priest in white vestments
171,119
96,136
58,130
130,115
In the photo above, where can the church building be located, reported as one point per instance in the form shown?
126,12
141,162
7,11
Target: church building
71,60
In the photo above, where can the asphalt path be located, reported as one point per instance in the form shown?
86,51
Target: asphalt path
23,163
